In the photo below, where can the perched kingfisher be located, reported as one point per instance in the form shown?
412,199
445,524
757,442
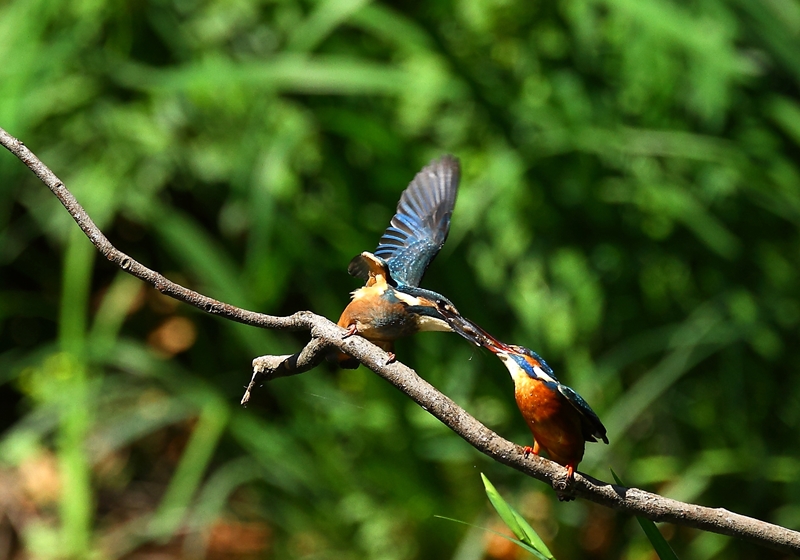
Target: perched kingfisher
558,417
392,305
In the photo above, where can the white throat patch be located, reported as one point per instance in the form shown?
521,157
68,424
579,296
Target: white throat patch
426,323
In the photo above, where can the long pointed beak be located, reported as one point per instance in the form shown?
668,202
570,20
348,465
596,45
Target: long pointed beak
475,334
491,343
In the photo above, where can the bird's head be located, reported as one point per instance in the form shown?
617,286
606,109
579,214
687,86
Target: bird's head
521,359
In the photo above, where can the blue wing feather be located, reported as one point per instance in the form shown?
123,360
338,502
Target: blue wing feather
420,227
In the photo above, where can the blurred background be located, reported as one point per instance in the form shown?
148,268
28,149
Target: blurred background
629,208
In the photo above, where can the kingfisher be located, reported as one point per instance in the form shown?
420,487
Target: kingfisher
560,420
392,305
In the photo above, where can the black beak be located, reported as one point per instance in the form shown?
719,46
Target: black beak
473,332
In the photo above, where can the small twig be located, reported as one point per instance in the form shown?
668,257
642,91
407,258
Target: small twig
267,368
325,335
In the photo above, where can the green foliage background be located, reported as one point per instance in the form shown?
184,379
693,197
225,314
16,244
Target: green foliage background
629,208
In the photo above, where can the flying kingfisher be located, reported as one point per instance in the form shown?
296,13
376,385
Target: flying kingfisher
392,305
558,417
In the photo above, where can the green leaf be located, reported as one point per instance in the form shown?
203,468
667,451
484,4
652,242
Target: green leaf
519,543
515,521
660,544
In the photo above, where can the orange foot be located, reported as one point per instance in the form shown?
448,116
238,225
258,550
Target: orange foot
392,358
527,450
351,330
530,450
570,472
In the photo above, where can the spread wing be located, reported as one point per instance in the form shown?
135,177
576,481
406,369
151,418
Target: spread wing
420,227
593,428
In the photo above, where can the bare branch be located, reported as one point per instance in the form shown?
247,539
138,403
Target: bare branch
267,368
325,335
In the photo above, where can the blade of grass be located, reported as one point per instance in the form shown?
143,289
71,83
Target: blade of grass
327,16
75,505
660,544
188,475
519,543
514,520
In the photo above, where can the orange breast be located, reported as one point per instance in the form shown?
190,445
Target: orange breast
368,315
555,424
377,319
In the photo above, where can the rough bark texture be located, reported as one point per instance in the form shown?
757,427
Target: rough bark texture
326,335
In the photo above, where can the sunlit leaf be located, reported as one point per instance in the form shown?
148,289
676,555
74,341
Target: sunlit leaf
514,520
518,542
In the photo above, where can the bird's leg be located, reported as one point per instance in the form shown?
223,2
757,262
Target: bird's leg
570,472
527,450
388,347
351,330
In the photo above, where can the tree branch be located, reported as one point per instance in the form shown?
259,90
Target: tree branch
267,368
326,335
